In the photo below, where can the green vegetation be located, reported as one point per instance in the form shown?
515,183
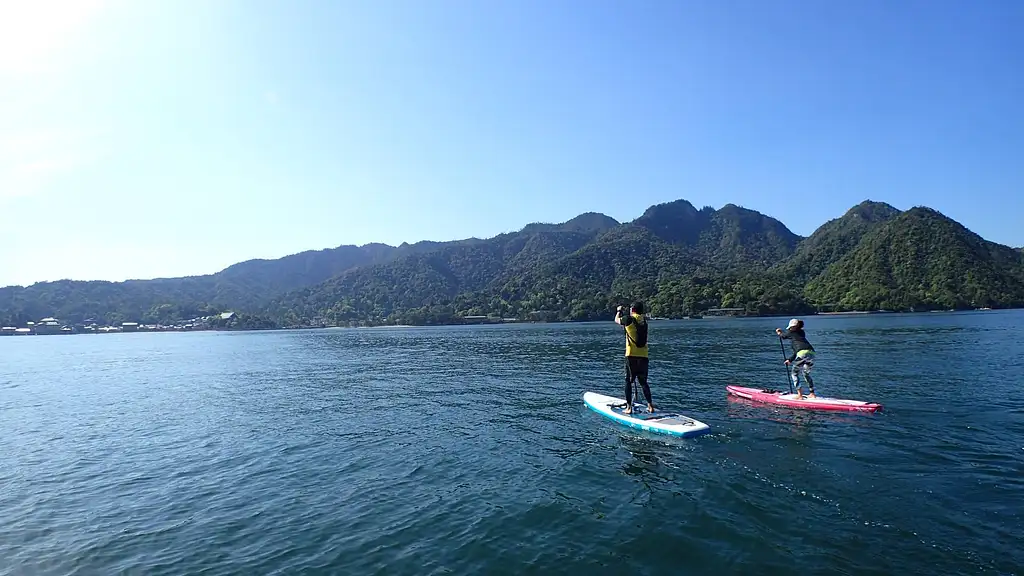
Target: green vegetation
921,260
241,321
835,239
681,260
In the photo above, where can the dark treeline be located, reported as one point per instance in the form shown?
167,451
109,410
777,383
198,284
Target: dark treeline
681,260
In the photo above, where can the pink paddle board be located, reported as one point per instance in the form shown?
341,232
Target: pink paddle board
792,401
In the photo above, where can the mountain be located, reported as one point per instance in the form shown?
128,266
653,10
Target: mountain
738,236
625,262
922,259
683,261
570,277
573,271
247,285
836,238
244,285
679,259
724,238
676,222
421,281
588,222
251,282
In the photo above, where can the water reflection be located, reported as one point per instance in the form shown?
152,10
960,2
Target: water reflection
746,409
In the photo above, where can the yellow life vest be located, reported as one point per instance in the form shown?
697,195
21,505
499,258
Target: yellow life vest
633,330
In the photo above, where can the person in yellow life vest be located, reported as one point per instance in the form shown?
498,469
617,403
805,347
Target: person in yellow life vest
635,325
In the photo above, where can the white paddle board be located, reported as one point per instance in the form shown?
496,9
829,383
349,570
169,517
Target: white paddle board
666,422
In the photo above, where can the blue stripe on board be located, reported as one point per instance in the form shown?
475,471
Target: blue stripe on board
639,425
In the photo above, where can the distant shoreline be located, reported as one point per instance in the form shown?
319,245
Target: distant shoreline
502,322
683,262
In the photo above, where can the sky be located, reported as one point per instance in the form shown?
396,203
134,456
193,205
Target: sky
169,138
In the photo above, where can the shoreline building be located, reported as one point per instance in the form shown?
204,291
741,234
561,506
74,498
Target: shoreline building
48,326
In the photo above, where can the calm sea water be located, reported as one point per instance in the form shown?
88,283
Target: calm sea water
468,450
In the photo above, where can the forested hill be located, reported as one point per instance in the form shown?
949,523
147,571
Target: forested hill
680,259
683,261
922,260
246,285
834,239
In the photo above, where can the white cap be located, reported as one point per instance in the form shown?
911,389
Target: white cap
793,323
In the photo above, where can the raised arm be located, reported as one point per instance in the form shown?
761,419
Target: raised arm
622,320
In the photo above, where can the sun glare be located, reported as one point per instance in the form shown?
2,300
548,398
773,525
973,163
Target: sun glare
33,32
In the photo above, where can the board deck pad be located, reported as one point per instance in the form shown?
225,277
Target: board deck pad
769,396
665,422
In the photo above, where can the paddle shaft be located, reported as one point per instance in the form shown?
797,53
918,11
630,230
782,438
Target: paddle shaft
789,376
636,396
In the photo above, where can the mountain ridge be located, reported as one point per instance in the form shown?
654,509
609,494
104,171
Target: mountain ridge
835,238
682,259
922,259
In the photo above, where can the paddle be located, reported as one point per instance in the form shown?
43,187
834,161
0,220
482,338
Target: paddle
635,396
635,385
789,376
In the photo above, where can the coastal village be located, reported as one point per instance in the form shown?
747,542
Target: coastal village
51,326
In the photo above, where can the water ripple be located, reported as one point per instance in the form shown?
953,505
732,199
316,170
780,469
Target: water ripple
468,450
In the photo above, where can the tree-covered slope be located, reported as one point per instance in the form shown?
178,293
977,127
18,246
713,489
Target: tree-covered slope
729,237
740,237
248,285
548,270
681,260
922,260
245,285
835,239
104,302
684,261
626,262
588,222
422,281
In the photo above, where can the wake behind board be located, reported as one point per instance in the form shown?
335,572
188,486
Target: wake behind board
791,400
664,422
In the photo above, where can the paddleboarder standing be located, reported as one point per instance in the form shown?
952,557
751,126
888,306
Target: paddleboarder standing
803,355
635,325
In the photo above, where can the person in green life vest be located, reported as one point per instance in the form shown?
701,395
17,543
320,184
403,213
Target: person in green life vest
802,359
635,325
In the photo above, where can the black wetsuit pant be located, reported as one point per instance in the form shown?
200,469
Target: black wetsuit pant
636,369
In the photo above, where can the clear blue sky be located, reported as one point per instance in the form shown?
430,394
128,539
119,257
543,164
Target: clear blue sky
165,138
